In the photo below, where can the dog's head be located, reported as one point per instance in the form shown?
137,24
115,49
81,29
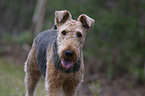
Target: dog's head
71,36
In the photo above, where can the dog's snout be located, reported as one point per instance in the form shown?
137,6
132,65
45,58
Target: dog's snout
69,53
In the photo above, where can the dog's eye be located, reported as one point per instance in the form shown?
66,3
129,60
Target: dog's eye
79,34
63,32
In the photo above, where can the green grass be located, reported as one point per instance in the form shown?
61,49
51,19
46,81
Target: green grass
12,80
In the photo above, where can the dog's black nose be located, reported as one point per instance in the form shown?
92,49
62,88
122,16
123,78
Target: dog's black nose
69,53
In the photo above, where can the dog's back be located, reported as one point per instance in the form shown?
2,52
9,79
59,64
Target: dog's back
42,41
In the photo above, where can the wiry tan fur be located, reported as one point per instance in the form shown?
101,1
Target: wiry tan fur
33,73
57,82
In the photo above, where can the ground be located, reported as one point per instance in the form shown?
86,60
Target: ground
12,83
12,79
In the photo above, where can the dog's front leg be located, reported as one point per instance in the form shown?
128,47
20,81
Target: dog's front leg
55,92
53,87
53,81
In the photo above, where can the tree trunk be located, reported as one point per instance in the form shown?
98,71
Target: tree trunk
38,17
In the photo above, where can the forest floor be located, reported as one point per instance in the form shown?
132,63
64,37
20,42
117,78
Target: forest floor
12,81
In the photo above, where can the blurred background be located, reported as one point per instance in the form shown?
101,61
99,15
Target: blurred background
114,50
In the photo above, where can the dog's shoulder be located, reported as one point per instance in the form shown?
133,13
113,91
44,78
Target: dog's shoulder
45,37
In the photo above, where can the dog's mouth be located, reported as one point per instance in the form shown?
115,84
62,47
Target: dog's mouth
67,63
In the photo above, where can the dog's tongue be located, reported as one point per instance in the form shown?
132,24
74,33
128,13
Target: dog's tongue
67,63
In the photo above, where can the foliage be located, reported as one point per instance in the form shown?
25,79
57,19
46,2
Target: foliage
95,88
23,37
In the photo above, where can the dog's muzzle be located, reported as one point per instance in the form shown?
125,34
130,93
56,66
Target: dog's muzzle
68,59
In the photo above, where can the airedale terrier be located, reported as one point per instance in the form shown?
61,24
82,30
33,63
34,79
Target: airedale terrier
57,55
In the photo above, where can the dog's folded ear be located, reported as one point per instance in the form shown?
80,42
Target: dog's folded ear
86,21
62,16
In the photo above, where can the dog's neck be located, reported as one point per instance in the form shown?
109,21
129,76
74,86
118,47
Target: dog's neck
57,61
